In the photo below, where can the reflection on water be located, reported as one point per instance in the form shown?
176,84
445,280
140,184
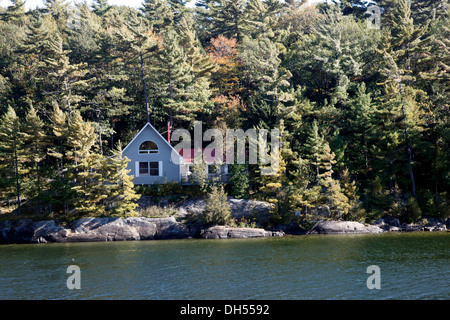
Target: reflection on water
413,266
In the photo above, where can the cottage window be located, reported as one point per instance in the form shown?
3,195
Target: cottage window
154,168
148,147
149,168
143,168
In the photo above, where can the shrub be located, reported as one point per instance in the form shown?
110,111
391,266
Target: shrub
413,211
158,212
217,209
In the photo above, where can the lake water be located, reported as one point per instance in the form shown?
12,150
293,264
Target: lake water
412,266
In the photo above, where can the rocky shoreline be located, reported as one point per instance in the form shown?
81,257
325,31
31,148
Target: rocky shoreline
173,227
117,229
142,228
380,226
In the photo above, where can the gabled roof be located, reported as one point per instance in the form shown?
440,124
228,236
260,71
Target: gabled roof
158,134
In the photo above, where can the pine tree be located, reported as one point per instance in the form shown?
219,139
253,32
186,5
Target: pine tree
314,147
35,145
263,76
226,17
86,167
175,75
332,194
59,10
178,8
435,74
200,64
350,190
158,13
424,11
59,132
100,7
67,80
261,18
138,45
15,14
12,156
401,99
339,50
119,187
198,173
60,192
275,187
239,181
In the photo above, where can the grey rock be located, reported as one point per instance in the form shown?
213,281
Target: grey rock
225,232
169,228
395,223
338,227
42,229
411,227
93,229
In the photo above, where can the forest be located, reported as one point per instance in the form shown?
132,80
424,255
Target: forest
362,102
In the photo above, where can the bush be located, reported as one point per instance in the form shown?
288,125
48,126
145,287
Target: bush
171,188
412,210
218,210
158,212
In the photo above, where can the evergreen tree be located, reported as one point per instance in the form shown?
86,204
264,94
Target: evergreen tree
423,11
261,18
178,8
339,50
100,7
436,77
138,44
59,10
68,80
12,156
35,145
198,173
239,181
332,194
226,17
200,64
175,75
119,187
359,129
15,14
314,147
275,187
159,14
86,174
400,53
263,76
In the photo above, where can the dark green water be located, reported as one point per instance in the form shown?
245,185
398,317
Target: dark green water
412,265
